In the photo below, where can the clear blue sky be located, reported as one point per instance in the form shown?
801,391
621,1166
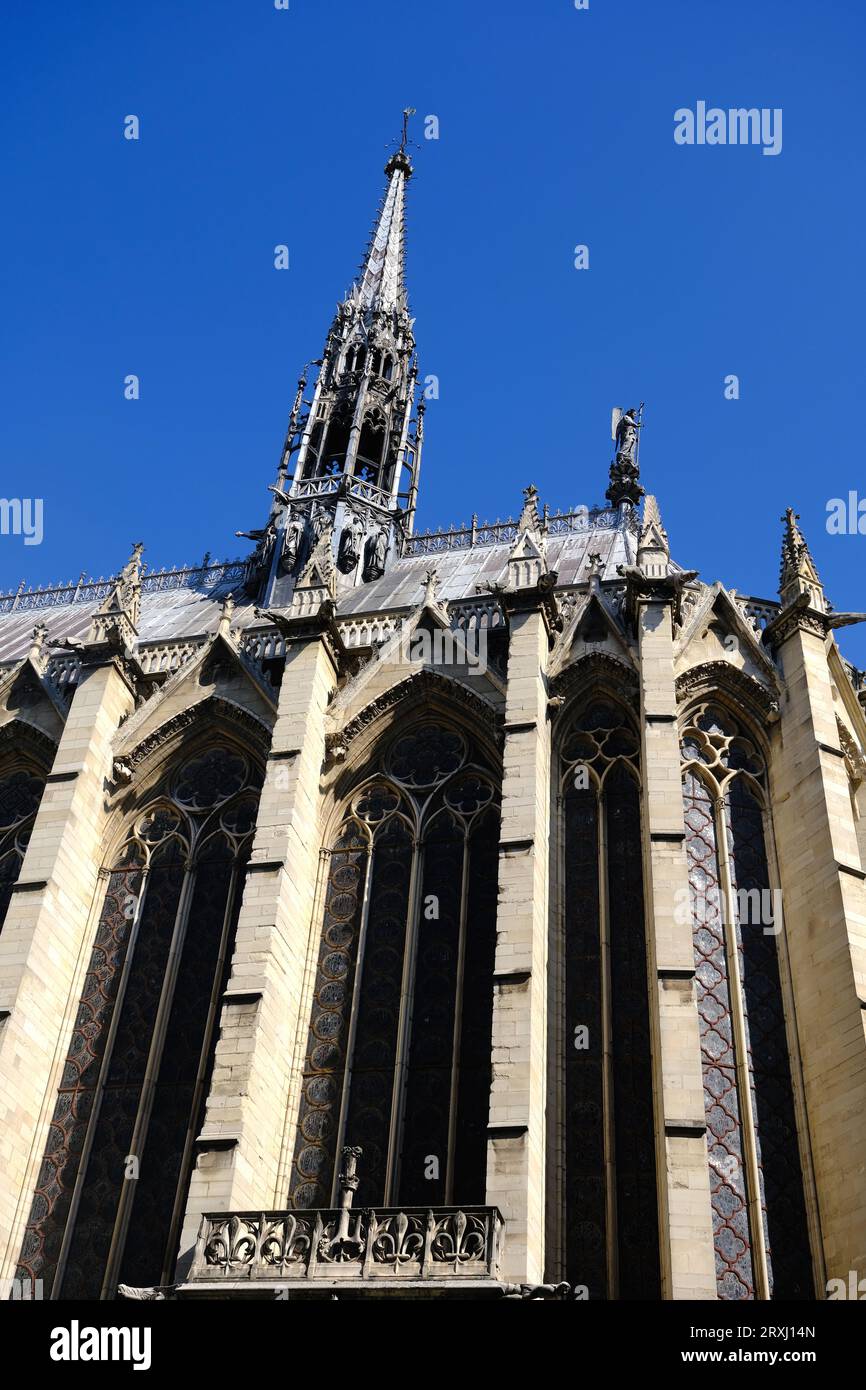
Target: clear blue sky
261,126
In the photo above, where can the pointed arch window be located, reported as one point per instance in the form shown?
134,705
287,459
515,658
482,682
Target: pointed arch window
112,1186
21,788
756,1176
609,1198
399,1053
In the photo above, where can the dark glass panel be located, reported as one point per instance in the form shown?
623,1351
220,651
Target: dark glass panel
325,1065
784,1208
175,1092
636,1198
105,1175
734,1272
584,1105
476,1035
20,794
74,1105
368,1116
424,1147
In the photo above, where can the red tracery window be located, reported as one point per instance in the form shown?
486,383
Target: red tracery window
756,1180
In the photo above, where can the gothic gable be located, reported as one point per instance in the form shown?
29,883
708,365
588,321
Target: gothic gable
715,630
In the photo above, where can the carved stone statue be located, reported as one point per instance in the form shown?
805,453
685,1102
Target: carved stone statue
374,555
349,550
626,424
291,544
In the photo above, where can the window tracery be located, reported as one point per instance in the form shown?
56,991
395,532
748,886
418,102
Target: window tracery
20,794
113,1180
609,1192
756,1180
399,1052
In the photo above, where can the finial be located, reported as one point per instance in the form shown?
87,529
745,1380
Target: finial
349,1179
400,158
407,112
431,584
226,614
37,647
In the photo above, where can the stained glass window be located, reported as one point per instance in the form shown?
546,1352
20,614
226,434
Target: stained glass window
20,793
756,1179
116,1168
609,1182
398,1059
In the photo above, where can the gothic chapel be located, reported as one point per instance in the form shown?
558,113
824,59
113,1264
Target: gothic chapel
468,914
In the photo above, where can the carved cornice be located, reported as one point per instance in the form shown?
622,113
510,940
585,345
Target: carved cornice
540,597
799,616
19,730
712,676
645,588
214,707
416,689
601,669
319,626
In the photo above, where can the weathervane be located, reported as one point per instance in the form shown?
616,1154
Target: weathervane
407,112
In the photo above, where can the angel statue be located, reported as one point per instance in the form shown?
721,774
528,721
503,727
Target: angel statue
624,425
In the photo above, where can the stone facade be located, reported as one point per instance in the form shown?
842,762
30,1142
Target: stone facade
475,821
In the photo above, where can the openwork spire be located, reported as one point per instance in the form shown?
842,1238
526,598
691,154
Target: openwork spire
382,284
798,574
356,445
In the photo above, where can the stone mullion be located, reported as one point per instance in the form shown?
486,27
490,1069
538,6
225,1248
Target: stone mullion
105,1063
516,1134
138,1142
44,946
360,963
404,1024
458,1021
253,1081
825,924
201,1075
685,1214
607,1026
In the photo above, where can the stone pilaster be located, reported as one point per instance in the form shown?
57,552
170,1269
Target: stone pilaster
824,906
44,944
685,1218
239,1163
516,1137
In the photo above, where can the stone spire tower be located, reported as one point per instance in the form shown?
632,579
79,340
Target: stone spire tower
357,448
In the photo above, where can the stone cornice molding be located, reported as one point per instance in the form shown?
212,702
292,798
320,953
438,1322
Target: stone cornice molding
213,707
712,676
416,690
600,670
18,730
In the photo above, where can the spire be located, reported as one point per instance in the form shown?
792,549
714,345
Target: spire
356,445
653,550
798,574
382,284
